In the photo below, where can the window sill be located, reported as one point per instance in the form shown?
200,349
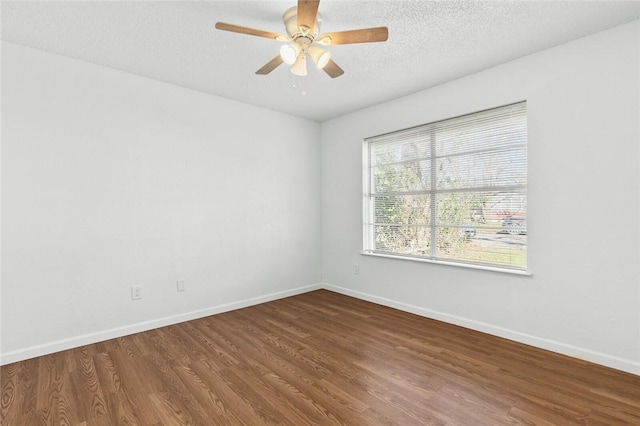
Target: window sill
456,264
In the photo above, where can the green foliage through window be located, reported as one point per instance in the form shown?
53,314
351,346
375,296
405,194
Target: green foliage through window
453,190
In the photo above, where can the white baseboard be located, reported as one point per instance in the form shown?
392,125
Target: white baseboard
622,364
607,360
86,339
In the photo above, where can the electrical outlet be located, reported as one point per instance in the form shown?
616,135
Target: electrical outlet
180,285
356,269
136,292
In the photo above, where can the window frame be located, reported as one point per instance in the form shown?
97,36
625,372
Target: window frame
369,224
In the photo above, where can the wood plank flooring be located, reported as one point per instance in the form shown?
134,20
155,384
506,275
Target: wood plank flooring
316,359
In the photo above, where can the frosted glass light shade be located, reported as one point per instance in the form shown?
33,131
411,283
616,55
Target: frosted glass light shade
300,66
320,56
289,53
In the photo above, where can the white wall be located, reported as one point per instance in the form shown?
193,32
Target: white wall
583,298
111,180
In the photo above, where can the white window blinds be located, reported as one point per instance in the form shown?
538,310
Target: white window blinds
454,190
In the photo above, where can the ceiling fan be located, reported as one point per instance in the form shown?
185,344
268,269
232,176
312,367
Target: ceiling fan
302,24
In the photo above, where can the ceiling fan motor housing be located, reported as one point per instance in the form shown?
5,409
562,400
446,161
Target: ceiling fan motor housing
290,19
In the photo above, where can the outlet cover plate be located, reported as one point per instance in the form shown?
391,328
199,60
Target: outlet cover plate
136,292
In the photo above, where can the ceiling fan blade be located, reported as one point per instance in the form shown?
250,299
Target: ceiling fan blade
246,30
270,66
307,13
366,35
333,69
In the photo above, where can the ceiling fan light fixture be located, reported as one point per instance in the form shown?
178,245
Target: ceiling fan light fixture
320,56
300,66
304,37
289,53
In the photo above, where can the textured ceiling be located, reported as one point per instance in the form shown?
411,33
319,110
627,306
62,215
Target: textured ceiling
430,42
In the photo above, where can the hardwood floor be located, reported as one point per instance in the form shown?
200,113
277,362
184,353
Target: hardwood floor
317,358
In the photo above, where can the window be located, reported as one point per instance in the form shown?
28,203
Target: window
451,191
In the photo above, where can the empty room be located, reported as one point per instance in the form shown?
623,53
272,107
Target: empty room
323,212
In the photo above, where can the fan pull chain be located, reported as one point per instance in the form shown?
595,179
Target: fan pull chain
299,86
